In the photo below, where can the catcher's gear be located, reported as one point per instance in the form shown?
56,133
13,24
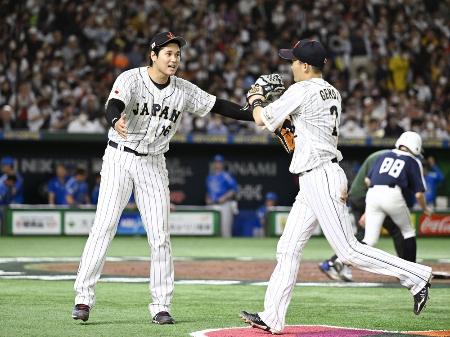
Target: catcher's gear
286,135
270,87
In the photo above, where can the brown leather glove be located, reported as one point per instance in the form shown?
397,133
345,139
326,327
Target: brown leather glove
286,135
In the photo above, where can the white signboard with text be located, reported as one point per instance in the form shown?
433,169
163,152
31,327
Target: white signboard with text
78,223
191,223
36,223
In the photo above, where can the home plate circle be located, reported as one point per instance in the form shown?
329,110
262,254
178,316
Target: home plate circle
314,330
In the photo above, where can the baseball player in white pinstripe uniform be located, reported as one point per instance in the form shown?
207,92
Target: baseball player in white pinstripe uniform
144,110
314,107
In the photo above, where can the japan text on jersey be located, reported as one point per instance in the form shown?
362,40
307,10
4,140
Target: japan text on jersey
152,114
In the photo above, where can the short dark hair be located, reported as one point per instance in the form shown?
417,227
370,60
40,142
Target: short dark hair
156,50
80,171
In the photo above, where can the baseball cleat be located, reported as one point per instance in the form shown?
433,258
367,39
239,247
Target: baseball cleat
420,299
345,274
328,268
81,311
163,317
256,322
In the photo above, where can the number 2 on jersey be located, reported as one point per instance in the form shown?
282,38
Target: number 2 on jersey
334,113
392,167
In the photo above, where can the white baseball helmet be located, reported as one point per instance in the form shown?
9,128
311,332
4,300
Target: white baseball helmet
411,140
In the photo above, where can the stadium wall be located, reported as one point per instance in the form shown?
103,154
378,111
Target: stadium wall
258,162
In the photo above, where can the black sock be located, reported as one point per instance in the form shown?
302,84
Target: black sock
410,249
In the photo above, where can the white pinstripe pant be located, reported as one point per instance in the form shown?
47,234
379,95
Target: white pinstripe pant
147,176
319,200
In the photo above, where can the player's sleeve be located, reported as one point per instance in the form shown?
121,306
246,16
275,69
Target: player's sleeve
51,187
197,101
122,88
274,114
439,175
70,187
415,177
232,183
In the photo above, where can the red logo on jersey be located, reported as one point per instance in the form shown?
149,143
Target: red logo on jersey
170,35
116,92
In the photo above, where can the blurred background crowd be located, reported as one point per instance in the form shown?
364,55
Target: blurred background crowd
389,59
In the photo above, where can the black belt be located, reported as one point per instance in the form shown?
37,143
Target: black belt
334,160
126,149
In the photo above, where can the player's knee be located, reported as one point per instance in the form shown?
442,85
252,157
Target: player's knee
289,248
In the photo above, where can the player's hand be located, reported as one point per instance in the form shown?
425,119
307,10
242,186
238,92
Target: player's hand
344,196
222,200
427,211
255,92
121,126
362,221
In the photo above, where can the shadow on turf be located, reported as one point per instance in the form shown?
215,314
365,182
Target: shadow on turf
112,323
130,322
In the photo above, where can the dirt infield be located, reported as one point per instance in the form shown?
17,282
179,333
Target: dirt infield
221,270
317,331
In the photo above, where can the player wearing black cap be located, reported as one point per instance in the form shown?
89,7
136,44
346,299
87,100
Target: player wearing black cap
144,110
314,106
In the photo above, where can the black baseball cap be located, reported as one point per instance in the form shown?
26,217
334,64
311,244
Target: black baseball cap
164,38
306,51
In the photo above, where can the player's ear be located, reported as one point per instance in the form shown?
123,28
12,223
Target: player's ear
152,57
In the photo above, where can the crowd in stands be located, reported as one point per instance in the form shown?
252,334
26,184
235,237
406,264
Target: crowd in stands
389,59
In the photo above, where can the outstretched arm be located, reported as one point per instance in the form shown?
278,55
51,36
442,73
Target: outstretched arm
232,110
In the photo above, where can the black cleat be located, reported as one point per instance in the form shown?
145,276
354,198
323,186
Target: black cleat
256,322
81,311
420,299
163,317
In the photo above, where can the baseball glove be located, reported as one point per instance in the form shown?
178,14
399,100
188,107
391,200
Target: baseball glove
270,86
286,135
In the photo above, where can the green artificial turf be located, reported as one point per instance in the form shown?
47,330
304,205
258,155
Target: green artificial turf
198,247
42,308
39,308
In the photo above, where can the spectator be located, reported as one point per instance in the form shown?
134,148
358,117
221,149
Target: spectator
216,126
71,50
7,190
351,129
57,186
269,202
373,129
7,167
39,115
399,68
7,122
221,190
392,128
77,190
61,118
21,103
96,189
433,178
82,124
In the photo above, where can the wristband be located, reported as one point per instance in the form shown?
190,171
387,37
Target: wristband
257,102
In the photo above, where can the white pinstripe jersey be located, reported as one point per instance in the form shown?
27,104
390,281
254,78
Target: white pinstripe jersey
153,115
314,107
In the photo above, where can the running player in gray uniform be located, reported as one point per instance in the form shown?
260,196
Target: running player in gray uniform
314,107
144,109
